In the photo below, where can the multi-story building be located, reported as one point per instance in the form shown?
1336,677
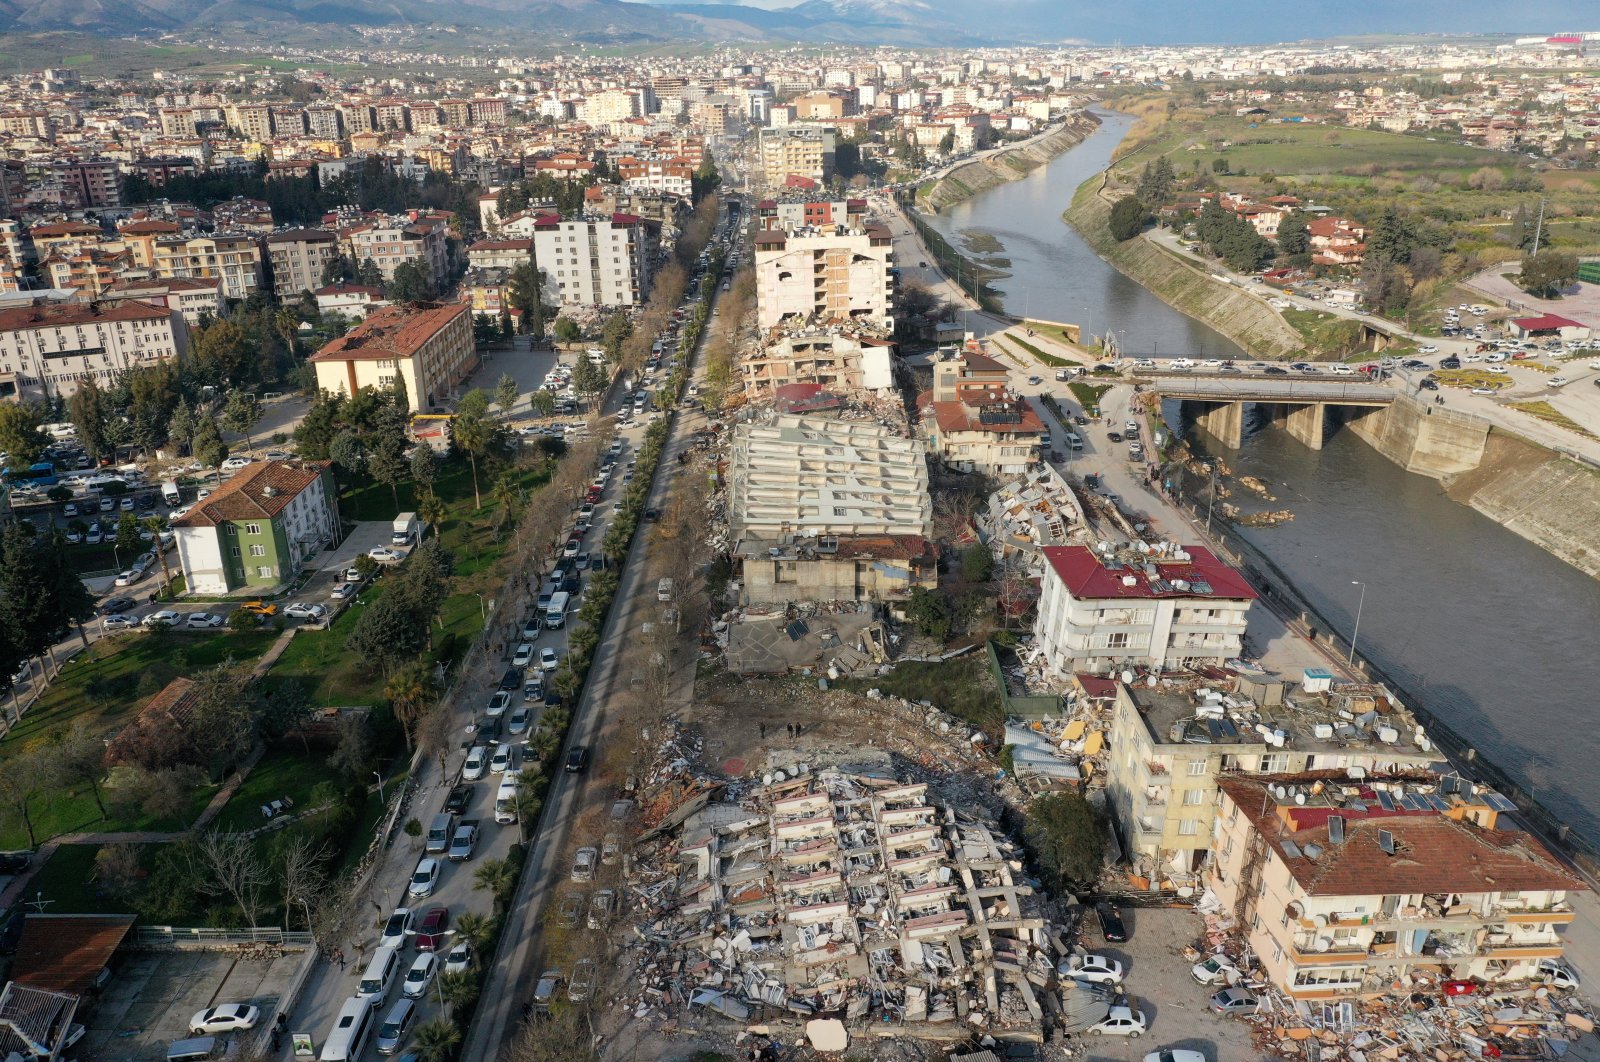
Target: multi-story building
1343,884
800,213
46,348
193,297
824,510
258,528
387,244
596,261
806,153
429,348
234,259
351,300
831,273
89,183
500,254
298,257
837,361
1165,609
673,175
252,120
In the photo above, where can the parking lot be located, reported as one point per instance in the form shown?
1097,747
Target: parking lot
153,995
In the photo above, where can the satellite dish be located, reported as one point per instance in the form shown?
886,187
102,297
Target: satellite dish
1127,677
1320,920
1324,943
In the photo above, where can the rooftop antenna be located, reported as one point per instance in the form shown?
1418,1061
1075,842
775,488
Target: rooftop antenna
39,903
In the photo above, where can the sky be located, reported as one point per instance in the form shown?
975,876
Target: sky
1251,21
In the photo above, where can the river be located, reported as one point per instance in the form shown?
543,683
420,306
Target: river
1492,633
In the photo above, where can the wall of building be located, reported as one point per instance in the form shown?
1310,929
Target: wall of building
777,580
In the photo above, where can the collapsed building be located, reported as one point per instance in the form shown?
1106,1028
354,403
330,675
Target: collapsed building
840,360
846,895
1026,514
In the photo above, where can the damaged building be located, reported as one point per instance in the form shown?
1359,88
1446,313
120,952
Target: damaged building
1026,514
828,510
973,421
839,360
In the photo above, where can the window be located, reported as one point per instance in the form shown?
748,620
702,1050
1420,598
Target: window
252,529
1197,768
265,571
1189,828
1193,798
1277,952
1117,640
1275,763
258,551
236,551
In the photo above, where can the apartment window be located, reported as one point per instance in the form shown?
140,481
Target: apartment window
1117,640
258,551
1275,763
252,529
1277,952
235,551
265,571
1193,798
1197,768
1189,828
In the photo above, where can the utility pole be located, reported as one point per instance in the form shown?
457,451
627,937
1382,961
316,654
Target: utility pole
1538,229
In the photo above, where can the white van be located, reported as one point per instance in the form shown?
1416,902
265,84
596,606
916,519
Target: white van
664,590
382,972
504,800
351,1028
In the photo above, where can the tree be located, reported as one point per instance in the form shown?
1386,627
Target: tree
563,1037
567,330
129,544
1391,238
117,869
20,436
386,451
409,691
543,403
458,989
79,758
411,283
236,871
155,525
1294,236
929,612
436,1040
413,829
242,413
87,410
977,563
484,329
181,426
424,468
431,509
472,433
1548,273
208,447
527,803
17,790
523,294
504,496
335,270
1068,835
505,392
475,929
41,596
347,452
287,708
221,354
496,877
352,754
1156,181
388,631
369,273
705,178
1127,218
588,379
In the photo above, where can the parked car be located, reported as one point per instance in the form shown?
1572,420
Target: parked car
259,608
549,659
1175,1054
1214,970
582,982
518,723
1095,969
203,620
162,618
384,555
569,910
460,958
342,591
425,878
120,621
1122,1021
304,610
431,930
1234,1001
420,976
500,762
523,656
400,925
477,763
459,799
578,759
511,680
583,864
225,1018
544,993
499,701
1111,924
600,907
396,1026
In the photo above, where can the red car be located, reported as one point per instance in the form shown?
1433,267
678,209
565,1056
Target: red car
594,494
431,932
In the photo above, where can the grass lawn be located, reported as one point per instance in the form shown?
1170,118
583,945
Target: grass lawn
74,811
1088,395
1325,333
65,882
287,770
1054,331
962,686
1471,378
1038,355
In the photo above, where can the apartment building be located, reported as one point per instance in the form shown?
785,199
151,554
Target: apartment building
46,348
89,183
834,359
427,347
500,254
234,259
193,297
1345,883
795,152
389,243
598,261
826,510
258,528
830,273
802,213
972,419
672,175
1168,607
298,258
354,301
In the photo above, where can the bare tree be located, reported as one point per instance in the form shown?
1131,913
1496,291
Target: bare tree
80,758
299,865
235,870
116,868
433,734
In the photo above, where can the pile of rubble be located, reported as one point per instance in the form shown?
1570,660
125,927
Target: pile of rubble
844,897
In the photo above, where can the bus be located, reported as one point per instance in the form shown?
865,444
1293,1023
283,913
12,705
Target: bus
40,474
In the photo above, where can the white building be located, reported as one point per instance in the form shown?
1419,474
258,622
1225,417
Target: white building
46,348
258,528
830,273
597,261
1171,609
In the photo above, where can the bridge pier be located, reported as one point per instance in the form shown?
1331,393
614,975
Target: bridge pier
1225,422
1308,424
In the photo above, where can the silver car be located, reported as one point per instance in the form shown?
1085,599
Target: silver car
396,1026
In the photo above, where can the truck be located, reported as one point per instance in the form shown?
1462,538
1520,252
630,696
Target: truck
406,526
466,837
555,614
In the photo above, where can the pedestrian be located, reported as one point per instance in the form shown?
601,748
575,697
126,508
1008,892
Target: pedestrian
341,960
763,727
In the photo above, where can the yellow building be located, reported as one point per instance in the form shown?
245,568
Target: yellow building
428,347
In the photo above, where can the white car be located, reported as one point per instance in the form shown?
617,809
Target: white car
425,878
523,656
549,659
477,763
1557,381
225,1018
164,618
501,760
1218,969
1428,350
234,463
303,610
1498,370
1558,973
1122,1021
1094,969
131,576
420,976
384,555
1175,1054
203,620
118,623
459,960
400,925
342,591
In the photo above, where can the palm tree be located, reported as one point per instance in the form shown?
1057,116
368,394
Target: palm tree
153,524
433,511
496,876
458,990
475,929
437,1039
504,494
408,691
472,432
527,805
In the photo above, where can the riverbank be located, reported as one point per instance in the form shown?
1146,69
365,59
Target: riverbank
1009,164
1239,315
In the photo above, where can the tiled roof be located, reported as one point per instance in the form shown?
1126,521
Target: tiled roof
259,491
65,314
1544,322
64,953
392,332
303,236
1087,578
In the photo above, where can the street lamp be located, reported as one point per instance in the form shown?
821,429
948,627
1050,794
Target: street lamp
381,798
1356,633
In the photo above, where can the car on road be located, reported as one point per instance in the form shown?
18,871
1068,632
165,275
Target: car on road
581,562
420,976
396,1026
225,1018
1484,391
549,659
1035,381
1175,1054
1095,969
129,577
1428,383
431,933
477,763
1114,436
499,701
424,879
519,722
460,959
1122,1021
1497,370
577,759
119,622
203,620
305,610
113,605
70,510
533,689
572,547
464,840
400,925
1275,370
459,800
259,608
652,514
511,680
343,590
1112,927
384,555
523,656
582,982
1214,970
1234,1001
500,762
163,618
1557,381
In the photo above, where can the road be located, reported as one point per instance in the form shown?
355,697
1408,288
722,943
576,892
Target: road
911,257
511,981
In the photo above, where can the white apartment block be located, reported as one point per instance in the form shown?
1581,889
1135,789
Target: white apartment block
46,348
829,273
798,151
596,261
298,257
1164,610
389,244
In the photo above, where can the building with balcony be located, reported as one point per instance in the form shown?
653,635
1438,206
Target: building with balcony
1170,742
833,358
259,527
298,258
234,259
826,274
805,153
194,298
1342,882
46,349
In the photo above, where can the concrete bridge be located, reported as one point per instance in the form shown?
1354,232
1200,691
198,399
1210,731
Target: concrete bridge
1300,403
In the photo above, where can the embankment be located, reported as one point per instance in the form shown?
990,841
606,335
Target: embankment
969,179
1551,500
1237,314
